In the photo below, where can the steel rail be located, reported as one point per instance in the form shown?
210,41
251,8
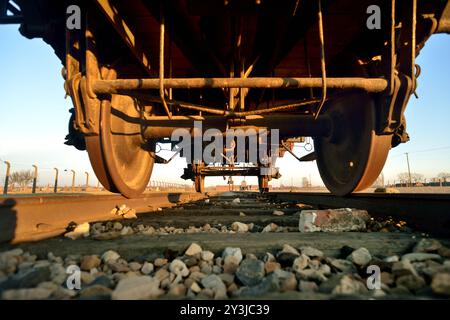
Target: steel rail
33,218
422,211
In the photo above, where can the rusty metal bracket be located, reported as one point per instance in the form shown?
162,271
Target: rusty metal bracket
161,65
322,60
402,73
393,116
73,88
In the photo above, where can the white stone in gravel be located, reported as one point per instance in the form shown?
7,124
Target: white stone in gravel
81,230
392,259
149,231
26,294
349,285
441,284
236,252
131,214
268,257
413,257
272,227
117,226
306,221
311,252
300,263
230,264
110,255
290,249
207,256
137,288
126,231
360,256
241,214
195,287
239,226
236,201
278,213
179,268
134,266
325,269
147,268
193,250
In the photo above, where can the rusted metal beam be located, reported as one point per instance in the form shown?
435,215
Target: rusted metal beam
125,32
116,86
288,124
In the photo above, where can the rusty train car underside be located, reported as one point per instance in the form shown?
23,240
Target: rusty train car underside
338,71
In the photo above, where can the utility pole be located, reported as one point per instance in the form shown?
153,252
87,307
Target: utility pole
8,167
33,190
409,171
55,188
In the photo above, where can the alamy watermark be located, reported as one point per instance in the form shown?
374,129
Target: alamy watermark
73,281
73,21
373,282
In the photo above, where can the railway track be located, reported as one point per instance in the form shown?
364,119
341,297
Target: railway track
236,245
423,211
32,218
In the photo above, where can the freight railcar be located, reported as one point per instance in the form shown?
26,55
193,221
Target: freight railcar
271,72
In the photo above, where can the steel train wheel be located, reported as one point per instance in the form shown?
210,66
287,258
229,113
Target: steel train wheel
353,157
117,154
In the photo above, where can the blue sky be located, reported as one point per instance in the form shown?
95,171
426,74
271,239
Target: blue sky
34,117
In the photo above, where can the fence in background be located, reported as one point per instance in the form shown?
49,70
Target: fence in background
32,186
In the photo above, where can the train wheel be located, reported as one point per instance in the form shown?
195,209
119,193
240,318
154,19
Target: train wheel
199,182
118,154
352,158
